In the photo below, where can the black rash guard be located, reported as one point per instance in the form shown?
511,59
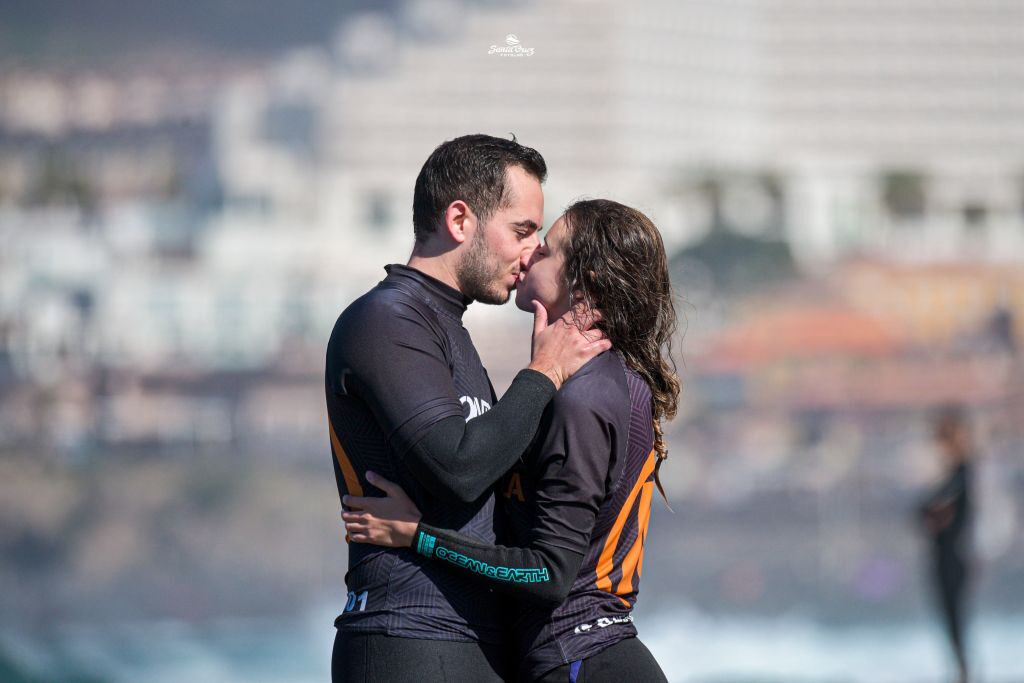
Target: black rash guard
950,552
575,519
408,398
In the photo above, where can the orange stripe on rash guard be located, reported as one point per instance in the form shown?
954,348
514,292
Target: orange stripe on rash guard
605,563
347,471
636,553
640,564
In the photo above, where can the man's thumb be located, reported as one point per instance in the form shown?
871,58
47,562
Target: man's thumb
540,317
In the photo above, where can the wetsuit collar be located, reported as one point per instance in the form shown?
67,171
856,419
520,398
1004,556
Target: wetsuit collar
449,298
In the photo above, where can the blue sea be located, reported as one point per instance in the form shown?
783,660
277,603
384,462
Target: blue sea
690,645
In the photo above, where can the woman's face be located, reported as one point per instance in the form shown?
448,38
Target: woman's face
544,277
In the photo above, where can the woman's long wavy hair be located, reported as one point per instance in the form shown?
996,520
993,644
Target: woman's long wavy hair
615,263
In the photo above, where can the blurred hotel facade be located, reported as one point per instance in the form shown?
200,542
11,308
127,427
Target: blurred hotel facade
194,218
841,186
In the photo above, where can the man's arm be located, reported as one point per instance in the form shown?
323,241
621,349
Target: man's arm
461,460
570,474
392,357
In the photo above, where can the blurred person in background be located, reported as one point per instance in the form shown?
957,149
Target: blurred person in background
946,514
576,509
408,397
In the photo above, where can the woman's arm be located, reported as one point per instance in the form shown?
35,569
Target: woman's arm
540,571
569,469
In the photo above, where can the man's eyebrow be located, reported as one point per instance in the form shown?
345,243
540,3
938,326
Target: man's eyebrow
526,224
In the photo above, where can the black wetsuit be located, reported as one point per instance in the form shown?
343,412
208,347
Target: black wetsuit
408,398
575,515
950,554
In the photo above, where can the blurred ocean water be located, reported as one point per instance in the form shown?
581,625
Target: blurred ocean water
690,645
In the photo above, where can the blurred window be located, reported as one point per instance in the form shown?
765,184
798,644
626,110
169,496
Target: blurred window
290,125
974,214
904,194
379,214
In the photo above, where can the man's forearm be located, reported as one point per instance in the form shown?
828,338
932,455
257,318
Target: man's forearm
461,460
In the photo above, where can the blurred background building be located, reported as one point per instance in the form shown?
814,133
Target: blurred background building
189,198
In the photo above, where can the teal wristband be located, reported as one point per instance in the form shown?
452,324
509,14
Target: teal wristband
425,544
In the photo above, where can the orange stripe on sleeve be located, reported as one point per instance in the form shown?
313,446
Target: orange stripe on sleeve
605,562
347,471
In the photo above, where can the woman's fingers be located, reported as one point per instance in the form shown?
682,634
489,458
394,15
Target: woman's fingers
357,527
388,487
356,502
355,516
377,506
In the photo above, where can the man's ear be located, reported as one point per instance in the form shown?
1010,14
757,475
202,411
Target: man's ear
459,221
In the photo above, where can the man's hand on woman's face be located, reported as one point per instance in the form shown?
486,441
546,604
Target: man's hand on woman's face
560,349
389,521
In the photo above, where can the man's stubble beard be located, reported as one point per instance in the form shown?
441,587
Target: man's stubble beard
480,275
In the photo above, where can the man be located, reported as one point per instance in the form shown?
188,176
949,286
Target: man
946,514
407,397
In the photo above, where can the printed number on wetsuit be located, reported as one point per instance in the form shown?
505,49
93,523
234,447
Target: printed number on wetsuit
353,599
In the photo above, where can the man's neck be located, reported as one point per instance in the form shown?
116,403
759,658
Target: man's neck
436,267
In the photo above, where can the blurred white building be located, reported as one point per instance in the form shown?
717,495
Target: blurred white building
892,128
842,127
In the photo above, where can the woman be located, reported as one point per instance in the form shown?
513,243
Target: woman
575,511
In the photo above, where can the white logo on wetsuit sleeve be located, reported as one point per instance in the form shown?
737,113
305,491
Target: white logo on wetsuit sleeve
477,406
604,622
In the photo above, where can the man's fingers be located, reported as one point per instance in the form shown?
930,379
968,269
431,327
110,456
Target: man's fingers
581,313
590,323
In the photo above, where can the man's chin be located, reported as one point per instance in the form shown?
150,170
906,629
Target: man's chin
495,297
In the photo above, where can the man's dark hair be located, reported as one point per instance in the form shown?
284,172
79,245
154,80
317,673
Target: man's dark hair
471,168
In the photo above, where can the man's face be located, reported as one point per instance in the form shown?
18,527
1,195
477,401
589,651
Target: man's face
499,250
543,278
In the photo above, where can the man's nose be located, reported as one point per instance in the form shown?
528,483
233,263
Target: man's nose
529,247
